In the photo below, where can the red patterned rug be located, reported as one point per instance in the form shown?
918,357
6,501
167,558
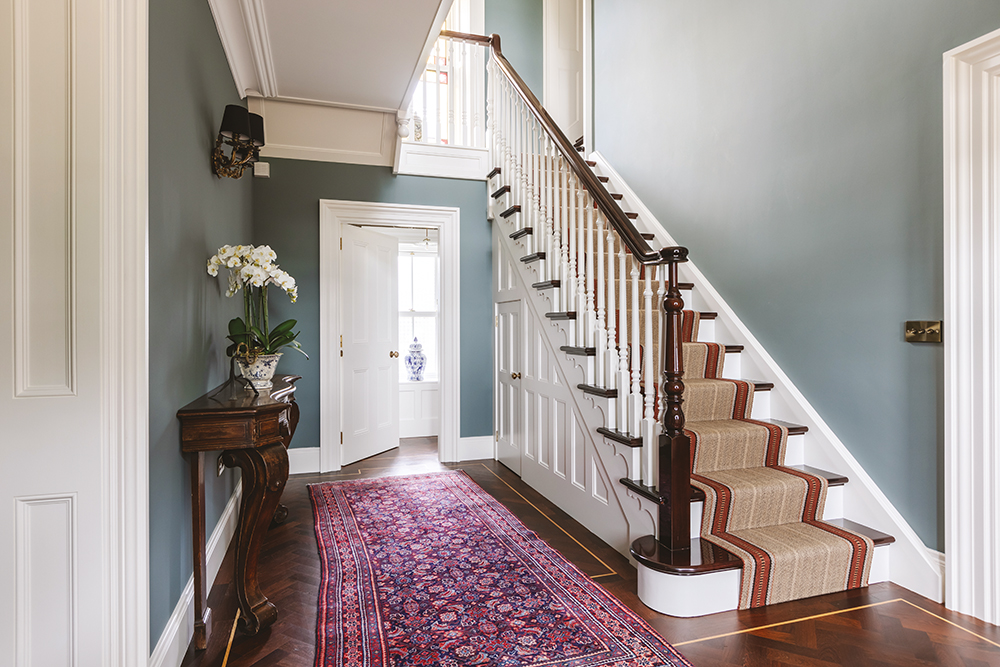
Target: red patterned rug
431,570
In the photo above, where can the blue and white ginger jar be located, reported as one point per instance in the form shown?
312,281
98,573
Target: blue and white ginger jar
416,361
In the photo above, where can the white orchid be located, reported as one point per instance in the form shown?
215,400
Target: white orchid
252,269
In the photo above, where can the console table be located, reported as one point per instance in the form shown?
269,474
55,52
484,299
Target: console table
252,432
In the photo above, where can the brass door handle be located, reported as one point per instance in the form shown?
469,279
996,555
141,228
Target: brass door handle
394,355
515,376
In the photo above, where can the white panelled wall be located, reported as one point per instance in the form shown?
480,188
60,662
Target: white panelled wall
73,403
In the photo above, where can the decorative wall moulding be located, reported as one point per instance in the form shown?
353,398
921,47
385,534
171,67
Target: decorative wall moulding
326,133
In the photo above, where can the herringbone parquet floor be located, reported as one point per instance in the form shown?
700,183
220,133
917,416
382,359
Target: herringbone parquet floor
881,625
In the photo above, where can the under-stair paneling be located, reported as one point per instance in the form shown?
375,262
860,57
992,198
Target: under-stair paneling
561,457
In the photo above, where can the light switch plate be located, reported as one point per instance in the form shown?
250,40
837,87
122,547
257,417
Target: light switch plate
923,331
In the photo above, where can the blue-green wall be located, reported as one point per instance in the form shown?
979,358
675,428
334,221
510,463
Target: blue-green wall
796,148
191,214
286,217
519,24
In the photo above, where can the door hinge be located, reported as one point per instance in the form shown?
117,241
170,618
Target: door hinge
496,436
496,320
341,344
341,244
341,437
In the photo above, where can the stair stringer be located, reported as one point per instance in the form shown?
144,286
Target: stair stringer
912,564
600,502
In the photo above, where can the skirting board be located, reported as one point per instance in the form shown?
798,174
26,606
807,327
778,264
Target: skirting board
303,460
176,636
475,447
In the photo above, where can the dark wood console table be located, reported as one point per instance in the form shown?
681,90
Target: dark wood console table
251,432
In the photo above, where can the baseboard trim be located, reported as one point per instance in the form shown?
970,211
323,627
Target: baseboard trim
303,460
475,447
176,636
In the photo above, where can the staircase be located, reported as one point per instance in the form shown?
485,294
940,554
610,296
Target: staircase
566,243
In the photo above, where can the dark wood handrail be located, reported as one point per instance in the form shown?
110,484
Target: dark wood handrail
674,478
605,202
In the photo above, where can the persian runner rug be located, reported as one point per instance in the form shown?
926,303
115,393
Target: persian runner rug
767,514
431,570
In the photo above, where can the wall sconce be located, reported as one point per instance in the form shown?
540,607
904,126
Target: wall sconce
243,132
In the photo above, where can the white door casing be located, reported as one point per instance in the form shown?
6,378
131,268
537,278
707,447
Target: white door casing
73,404
370,373
334,215
972,327
508,389
562,30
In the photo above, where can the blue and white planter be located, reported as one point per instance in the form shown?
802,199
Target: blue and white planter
260,370
416,361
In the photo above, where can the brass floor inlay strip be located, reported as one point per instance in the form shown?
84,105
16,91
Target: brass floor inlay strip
988,641
789,622
596,557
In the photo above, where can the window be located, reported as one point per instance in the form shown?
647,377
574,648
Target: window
448,106
418,308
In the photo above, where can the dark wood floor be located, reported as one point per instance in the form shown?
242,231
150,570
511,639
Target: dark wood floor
881,625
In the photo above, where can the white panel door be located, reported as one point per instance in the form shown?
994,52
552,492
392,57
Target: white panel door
509,427
370,371
52,527
563,68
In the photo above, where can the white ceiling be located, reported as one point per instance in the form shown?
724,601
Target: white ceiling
361,53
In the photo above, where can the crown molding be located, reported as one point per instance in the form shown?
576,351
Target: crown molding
242,28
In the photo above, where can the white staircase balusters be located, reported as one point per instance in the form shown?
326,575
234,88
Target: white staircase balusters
624,386
601,335
635,395
649,380
612,356
590,320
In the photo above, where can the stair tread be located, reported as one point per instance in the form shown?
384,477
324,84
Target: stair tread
502,191
626,439
707,314
535,256
571,315
832,478
598,391
602,179
793,429
734,348
591,163
704,557
496,172
876,536
579,351
524,231
546,284
516,208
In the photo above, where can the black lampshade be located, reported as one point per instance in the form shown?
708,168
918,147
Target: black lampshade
257,129
236,123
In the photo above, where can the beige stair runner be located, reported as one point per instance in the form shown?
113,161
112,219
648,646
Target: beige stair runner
756,508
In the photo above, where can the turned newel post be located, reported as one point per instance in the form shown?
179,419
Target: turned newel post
675,447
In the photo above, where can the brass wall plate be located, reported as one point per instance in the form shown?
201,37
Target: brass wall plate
923,331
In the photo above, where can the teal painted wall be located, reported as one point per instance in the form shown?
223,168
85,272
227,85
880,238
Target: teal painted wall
286,217
191,214
796,149
519,24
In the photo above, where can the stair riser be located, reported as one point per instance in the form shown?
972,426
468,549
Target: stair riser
834,509
698,595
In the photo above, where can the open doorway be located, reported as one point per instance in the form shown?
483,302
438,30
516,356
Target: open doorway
423,241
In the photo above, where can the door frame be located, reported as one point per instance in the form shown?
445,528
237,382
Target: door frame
972,337
332,215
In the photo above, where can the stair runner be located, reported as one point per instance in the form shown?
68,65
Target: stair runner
756,508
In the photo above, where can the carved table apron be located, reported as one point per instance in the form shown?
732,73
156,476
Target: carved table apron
253,433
